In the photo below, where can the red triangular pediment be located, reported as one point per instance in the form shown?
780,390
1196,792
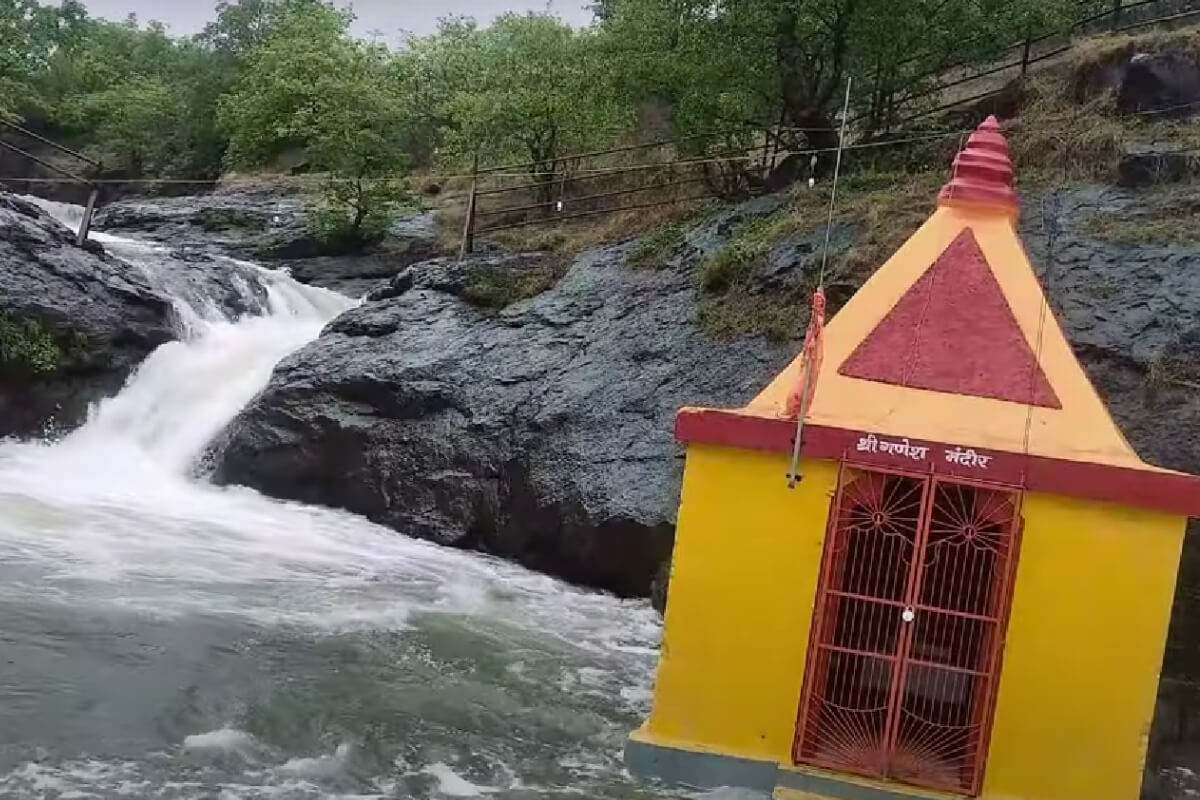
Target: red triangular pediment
954,332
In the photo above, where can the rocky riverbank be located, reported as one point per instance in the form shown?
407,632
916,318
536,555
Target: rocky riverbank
543,432
74,322
270,224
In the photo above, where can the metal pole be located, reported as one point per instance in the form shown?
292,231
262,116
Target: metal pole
1116,14
1025,54
85,225
794,476
468,237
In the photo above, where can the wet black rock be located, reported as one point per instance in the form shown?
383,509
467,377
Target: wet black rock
263,223
269,225
1166,83
542,432
92,316
216,287
1154,163
1132,313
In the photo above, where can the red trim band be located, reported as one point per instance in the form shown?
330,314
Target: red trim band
1174,493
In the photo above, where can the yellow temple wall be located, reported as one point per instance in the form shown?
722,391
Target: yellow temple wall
1091,607
1084,650
747,559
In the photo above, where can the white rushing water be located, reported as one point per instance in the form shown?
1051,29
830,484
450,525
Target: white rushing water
109,527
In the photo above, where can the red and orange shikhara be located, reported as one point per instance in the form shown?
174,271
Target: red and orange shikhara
951,344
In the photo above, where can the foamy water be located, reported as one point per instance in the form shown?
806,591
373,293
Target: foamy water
167,638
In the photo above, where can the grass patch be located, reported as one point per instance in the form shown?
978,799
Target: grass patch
1174,222
500,286
885,209
223,219
1173,371
1069,127
572,237
1091,58
653,251
26,347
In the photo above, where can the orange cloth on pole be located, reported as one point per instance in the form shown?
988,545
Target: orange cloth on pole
801,398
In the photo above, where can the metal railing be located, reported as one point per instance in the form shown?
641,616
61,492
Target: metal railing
85,224
563,175
754,163
582,185
1122,16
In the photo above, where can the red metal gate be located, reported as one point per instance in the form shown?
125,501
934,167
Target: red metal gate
909,628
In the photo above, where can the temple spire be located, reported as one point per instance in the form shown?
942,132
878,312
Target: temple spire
983,173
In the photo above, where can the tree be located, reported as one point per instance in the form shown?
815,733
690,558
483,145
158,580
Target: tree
143,101
531,88
429,71
242,26
311,85
30,34
755,63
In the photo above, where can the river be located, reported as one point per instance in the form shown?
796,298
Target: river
161,637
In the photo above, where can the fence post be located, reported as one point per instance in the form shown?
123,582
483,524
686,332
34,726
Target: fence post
1116,15
85,224
468,237
1025,53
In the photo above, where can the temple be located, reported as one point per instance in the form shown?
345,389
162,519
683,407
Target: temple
968,591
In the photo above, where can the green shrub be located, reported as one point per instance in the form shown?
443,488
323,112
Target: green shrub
653,251
26,347
500,287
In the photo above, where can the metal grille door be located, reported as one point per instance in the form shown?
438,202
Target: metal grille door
908,629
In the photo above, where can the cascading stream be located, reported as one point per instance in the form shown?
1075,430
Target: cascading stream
166,638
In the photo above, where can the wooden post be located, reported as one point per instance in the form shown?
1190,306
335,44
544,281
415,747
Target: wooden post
775,144
468,237
1025,54
766,154
85,225
1116,15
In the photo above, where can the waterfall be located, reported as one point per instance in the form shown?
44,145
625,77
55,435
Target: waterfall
164,637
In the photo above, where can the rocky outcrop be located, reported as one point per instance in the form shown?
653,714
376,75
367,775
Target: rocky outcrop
271,225
73,321
1165,83
1154,163
264,222
541,433
1155,78
1132,312
544,432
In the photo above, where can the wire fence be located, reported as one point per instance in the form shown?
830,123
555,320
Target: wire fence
960,84
11,129
727,164
745,161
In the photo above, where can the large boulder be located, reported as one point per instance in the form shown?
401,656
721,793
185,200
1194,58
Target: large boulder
1165,83
542,432
73,321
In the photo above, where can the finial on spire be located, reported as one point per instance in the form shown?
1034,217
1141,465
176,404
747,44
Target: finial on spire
983,172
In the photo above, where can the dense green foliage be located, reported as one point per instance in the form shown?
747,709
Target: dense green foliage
310,86
269,78
25,347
